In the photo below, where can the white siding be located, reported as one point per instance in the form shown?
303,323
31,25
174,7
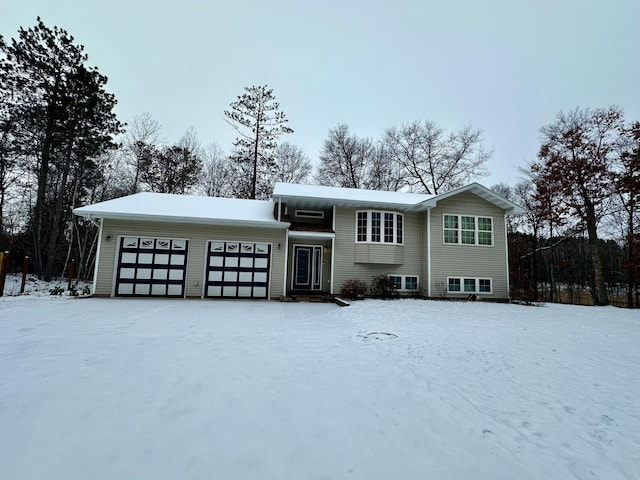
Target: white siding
468,260
407,259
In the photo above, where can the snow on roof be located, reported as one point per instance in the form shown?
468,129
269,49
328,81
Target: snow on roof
185,208
347,195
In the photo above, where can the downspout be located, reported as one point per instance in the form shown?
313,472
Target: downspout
286,260
279,208
429,253
333,249
97,261
506,249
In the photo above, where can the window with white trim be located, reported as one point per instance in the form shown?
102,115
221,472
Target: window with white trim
374,226
469,285
467,230
404,282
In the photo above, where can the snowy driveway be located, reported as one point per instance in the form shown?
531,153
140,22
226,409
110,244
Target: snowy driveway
410,389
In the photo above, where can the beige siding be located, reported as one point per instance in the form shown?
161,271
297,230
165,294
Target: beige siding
468,260
198,235
407,259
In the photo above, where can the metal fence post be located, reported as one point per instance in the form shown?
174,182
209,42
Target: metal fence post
25,270
72,271
4,263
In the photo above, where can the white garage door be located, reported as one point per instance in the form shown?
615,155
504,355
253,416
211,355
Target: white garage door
151,267
238,269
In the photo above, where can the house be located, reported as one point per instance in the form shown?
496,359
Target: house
308,238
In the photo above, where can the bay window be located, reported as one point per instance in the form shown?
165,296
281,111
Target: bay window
374,226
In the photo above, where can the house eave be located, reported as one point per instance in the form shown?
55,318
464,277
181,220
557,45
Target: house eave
490,196
182,219
323,203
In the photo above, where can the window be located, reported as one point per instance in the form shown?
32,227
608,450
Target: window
404,282
411,283
485,235
484,285
379,227
468,285
362,227
388,228
375,226
467,230
396,281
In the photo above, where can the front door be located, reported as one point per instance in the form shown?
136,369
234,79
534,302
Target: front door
307,268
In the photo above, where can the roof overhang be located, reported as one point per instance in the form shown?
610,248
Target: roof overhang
490,196
92,215
323,197
325,203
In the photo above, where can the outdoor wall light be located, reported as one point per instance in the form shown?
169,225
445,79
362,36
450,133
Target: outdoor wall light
108,238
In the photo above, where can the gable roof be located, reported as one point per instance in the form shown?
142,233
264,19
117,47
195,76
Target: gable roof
165,207
310,196
483,192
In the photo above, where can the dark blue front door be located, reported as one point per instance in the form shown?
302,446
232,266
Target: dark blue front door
307,269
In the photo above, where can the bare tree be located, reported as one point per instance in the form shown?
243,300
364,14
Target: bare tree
626,180
435,161
216,176
576,153
352,162
173,169
142,131
291,164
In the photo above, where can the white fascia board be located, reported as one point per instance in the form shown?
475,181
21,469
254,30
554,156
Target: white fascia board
357,203
173,219
481,191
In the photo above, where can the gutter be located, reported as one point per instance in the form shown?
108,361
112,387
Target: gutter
95,222
188,220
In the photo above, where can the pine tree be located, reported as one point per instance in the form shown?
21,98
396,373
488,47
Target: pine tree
258,121
66,121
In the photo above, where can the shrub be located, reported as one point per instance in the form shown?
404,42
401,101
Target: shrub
353,289
382,287
57,290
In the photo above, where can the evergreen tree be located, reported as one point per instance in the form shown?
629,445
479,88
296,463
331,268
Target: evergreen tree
258,121
65,121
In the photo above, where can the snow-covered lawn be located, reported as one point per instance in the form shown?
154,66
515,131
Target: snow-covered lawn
189,389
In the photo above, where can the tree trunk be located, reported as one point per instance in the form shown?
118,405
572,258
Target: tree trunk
255,160
43,173
630,260
57,215
598,289
534,264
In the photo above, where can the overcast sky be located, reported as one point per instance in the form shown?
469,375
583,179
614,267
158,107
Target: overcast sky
504,66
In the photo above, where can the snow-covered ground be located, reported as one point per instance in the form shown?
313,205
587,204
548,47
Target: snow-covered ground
188,389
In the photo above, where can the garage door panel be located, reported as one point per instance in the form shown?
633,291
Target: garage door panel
151,267
237,269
